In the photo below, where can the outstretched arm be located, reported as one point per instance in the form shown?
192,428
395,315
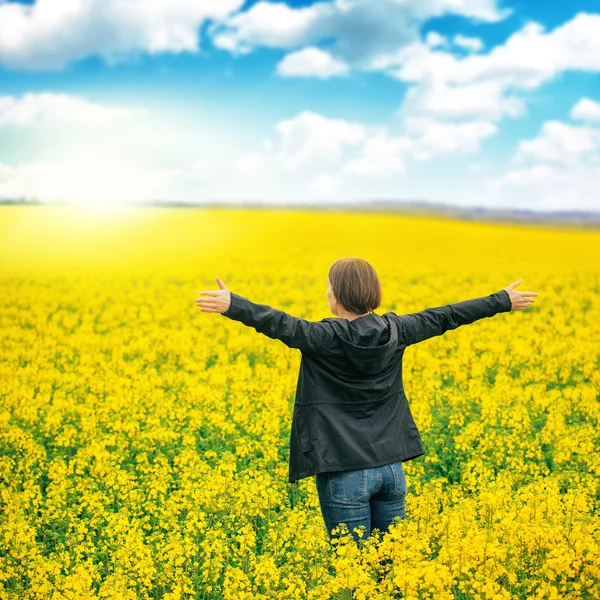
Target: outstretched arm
416,327
294,332
420,326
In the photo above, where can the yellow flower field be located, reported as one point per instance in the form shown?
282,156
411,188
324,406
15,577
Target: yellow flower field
144,443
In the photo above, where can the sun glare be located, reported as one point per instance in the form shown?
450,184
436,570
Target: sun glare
101,186
100,209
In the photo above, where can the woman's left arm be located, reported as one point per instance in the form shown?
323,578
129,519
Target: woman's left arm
294,332
307,336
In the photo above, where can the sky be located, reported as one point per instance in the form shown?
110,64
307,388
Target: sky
488,103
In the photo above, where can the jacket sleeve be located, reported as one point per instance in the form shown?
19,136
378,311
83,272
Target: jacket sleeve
416,327
307,336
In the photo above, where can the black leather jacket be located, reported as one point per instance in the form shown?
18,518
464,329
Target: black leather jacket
351,411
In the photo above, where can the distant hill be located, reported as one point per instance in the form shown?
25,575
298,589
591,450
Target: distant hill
585,218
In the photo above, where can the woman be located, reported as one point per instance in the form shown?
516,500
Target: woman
352,427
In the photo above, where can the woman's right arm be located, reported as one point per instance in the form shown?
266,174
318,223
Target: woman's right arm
431,322
416,327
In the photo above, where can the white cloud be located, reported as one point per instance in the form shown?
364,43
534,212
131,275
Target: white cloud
434,138
324,184
252,165
270,24
49,34
572,181
381,156
360,29
308,142
560,142
202,169
526,60
434,39
311,62
489,85
443,100
552,187
468,43
586,110
32,108
310,138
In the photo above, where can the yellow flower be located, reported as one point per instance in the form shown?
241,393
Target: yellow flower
144,442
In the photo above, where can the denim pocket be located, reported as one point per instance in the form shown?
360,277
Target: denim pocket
399,478
348,486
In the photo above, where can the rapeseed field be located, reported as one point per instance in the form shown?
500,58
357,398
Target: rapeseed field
144,443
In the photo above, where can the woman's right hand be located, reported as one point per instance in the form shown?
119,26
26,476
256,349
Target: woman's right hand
219,301
519,300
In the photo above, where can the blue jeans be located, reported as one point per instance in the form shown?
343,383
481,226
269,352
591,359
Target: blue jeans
371,497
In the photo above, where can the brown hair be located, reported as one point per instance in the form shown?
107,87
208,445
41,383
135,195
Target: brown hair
355,285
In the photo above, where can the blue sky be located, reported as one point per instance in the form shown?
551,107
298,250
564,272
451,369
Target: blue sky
470,102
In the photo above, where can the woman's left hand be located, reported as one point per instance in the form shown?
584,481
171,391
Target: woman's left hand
219,301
